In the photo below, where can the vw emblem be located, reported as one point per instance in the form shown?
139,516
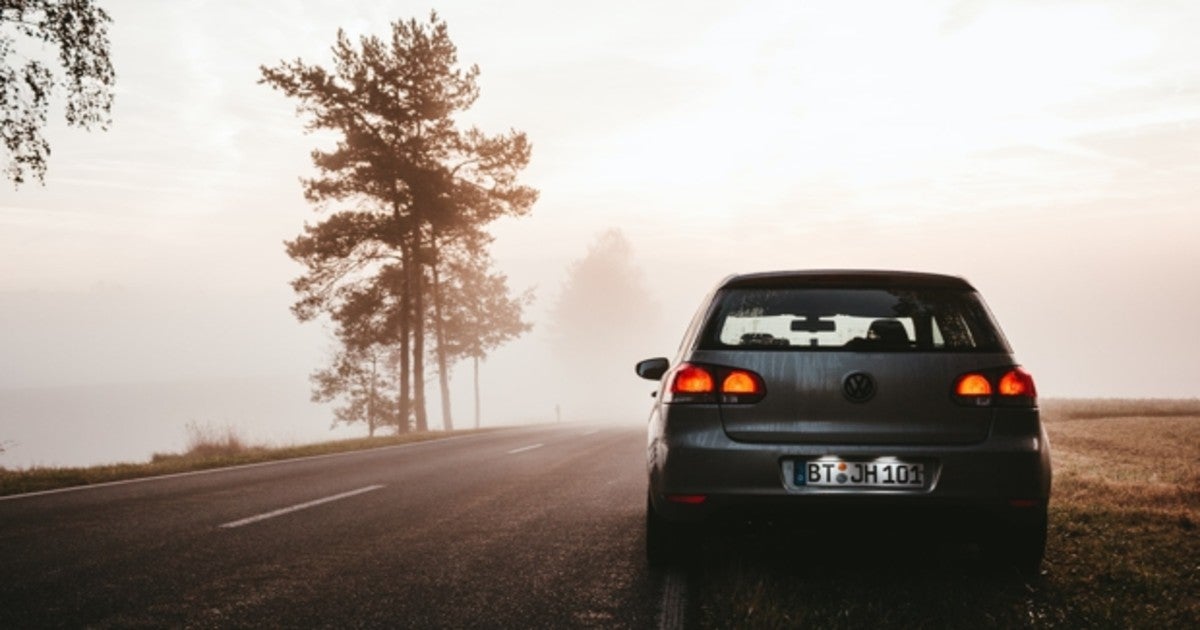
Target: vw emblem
858,387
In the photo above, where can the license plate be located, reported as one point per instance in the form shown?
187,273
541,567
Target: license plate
836,473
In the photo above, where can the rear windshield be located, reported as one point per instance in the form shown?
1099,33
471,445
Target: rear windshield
858,319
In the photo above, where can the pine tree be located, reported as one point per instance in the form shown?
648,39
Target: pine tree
405,180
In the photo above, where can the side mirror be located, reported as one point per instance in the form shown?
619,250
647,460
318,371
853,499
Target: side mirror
652,369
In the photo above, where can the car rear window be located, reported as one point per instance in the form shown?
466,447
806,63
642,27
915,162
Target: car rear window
857,319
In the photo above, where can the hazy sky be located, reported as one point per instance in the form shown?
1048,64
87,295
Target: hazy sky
1047,151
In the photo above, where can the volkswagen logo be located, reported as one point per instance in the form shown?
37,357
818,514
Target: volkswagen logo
858,387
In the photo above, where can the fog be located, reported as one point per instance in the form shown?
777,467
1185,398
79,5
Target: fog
1048,152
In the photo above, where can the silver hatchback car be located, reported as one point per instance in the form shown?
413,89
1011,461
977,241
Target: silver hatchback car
892,396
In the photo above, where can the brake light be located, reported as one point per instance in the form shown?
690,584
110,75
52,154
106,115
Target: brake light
1017,382
692,379
1005,386
973,384
741,382
698,384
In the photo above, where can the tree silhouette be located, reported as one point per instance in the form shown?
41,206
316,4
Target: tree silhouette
602,322
477,315
360,376
406,180
78,29
361,372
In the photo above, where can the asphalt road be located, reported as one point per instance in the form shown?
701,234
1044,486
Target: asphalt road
528,527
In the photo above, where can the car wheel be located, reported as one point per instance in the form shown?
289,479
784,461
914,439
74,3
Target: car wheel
1021,547
665,541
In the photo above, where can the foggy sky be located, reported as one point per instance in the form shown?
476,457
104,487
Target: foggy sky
1047,151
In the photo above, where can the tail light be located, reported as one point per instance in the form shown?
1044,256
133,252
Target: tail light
742,386
1011,386
1017,382
973,385
692,379
692,383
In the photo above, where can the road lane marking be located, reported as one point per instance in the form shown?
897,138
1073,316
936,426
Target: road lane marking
673,609
297,507
216,471
592,432
525,448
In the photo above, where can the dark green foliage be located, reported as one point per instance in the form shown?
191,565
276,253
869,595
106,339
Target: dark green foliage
78,30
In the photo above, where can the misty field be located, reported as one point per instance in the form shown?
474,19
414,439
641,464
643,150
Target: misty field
1123,550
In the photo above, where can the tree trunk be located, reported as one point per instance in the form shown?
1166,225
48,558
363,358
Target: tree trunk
475,362
439,331
405,408
418,333
371,398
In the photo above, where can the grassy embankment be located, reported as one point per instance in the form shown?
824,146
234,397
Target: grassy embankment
207,447
1123,551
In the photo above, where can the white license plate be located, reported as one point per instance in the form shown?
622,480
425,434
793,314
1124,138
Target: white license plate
836,473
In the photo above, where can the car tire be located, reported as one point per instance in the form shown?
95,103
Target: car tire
1021,547
665,541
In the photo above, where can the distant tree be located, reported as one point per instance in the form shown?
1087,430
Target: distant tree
360,373
361,378
478,314
602,322
408,181
604,298
78,29
354,276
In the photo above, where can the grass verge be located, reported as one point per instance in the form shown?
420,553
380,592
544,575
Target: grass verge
206,450
1123,550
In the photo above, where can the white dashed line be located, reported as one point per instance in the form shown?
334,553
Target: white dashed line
217,471
525,448
294,508
592,432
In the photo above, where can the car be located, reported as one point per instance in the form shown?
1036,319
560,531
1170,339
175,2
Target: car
885,397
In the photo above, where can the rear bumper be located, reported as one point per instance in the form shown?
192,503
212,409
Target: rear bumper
1005,477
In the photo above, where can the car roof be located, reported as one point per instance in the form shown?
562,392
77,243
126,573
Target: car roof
847,278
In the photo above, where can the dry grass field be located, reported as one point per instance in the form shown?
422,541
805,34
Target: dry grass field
1123,551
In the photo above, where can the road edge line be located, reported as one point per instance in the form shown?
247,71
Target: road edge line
190,473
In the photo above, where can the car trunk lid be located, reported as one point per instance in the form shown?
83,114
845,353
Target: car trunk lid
844,397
